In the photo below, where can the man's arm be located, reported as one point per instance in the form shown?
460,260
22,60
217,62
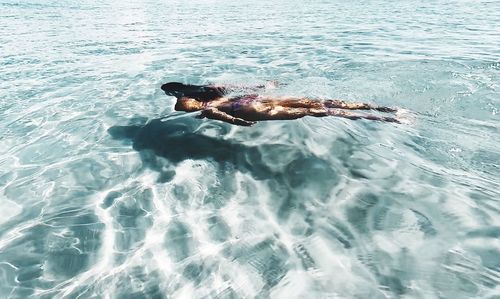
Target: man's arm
214,113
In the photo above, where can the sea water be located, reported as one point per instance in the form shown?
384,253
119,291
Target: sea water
102,197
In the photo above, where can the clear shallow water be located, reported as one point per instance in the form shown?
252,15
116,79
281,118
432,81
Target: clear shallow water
100,199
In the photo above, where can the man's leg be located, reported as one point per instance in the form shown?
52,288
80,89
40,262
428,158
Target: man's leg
300,103
349,115
315,104
355,106
286,113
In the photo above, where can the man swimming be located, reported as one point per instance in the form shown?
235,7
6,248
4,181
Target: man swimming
246,110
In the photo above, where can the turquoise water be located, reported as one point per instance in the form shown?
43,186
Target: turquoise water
99,198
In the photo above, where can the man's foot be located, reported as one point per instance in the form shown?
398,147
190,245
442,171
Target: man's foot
385,109
272,84
404,116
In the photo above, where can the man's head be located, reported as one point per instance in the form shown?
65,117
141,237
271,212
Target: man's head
188,105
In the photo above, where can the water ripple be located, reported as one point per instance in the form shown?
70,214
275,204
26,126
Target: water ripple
102,197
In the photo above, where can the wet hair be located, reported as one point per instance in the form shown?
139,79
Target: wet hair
172,88
201,93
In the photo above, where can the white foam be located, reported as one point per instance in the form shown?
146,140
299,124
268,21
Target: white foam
9,209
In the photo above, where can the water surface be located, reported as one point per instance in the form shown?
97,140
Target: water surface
99,198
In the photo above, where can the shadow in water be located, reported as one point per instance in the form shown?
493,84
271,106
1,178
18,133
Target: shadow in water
294,175
176,140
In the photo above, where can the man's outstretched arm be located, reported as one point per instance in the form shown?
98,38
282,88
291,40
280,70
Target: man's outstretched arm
214,113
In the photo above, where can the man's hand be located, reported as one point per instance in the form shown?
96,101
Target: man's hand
214,113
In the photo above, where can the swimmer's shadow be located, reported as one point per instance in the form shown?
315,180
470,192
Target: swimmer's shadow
177,140
292,174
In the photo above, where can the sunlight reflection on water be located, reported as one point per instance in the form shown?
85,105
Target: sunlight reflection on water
98,197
